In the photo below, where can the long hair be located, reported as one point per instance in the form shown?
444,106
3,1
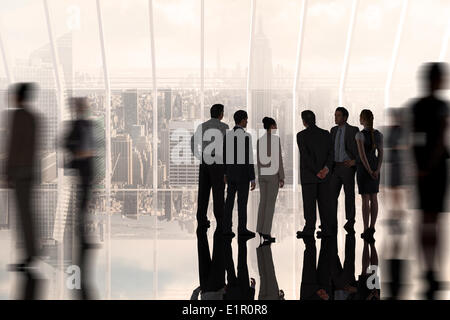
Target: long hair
367,116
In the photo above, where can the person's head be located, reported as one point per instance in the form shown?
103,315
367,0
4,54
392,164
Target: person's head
340,116
23,94
80,105
309,118
435,76
240,118
217,111
366,118
269,123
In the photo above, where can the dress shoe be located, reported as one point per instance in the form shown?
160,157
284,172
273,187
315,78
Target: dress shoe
246,233
324,234
350,227
367,235
305,233
229,234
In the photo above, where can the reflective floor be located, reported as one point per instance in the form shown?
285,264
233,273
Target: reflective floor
151,258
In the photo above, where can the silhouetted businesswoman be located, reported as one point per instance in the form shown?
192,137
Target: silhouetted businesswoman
270,177
239,172
344,168
21,166
316,161
211,169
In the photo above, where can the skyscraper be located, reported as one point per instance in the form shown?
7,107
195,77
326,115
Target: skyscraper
130,109
122,160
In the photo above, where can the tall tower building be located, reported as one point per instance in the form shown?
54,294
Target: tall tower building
261,77
183,171
130,109
122,160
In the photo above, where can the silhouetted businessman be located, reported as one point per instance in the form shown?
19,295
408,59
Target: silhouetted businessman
80,143
344,167
316,161
239,172
21,170
212,168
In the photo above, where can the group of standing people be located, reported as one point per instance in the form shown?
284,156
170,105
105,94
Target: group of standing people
328,161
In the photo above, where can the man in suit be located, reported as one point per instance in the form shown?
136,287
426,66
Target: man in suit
80,143
212,168
20,171
344,168
316,161
239,172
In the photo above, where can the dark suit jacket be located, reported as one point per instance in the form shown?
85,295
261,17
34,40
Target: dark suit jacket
351,147
316,152
23,140
73,140
238,172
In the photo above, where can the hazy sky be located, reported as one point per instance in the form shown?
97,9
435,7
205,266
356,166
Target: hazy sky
227,28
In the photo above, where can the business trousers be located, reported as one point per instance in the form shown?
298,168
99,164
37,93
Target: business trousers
242,190
317,194
268,187
210,177
23,185
346,177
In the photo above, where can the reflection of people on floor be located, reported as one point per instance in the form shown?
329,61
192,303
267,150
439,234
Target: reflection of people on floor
239,287
368,281
310,288
344,281
211,270
268,289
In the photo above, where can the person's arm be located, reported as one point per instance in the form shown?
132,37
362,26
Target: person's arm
194,142
305,155
362,155
380,155
439,146
354,147
330,156
258,160
280,164
251,166
196,293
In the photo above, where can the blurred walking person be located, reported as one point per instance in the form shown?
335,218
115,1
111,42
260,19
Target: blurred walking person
270,177
429,126
80,143
21,170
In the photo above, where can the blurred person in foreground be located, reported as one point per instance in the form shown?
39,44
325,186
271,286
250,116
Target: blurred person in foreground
396,148
429,125
20,171
80,143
